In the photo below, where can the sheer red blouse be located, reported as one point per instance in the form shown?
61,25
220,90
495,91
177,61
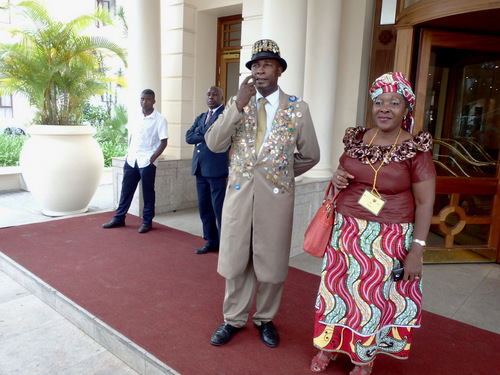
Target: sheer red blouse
409,162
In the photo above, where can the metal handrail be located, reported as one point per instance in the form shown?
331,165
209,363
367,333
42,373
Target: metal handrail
445,167
460,155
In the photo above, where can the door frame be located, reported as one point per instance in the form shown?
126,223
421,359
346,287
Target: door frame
453,186
225,54
446,39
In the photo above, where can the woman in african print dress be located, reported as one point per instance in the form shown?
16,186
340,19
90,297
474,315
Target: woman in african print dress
387,181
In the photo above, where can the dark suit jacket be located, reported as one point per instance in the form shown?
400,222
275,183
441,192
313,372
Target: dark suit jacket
206,162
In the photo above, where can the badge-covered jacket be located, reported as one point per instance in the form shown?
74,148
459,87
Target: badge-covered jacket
258,210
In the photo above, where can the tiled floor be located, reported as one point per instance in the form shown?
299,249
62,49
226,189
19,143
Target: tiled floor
35,339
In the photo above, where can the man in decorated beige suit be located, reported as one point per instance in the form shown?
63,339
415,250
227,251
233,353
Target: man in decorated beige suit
273,140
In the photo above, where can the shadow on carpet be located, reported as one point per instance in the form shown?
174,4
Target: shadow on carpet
156,291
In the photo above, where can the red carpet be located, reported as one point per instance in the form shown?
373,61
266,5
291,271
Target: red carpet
153,289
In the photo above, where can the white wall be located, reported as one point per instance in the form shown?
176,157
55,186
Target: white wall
188,30
286,22
189,47
67,10
205,59
353,69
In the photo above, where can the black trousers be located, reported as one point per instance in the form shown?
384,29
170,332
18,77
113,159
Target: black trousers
131,178
211,193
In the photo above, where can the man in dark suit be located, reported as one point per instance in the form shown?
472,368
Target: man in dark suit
211,172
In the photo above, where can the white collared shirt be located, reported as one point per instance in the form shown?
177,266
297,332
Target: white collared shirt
145,137
271,108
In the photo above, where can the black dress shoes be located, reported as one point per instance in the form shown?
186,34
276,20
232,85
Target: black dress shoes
145,228
223,334
204,250
269,334
114,224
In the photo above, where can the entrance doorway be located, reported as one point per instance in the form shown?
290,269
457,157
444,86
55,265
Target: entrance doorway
228,55
458,101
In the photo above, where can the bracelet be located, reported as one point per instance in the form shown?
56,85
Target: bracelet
420,242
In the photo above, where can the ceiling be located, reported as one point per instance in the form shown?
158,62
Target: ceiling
487,21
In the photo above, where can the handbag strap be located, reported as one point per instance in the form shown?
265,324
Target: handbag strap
330,190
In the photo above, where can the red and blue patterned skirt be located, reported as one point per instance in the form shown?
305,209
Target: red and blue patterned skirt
360,310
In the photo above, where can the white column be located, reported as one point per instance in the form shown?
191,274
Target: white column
284,21
178,32
144,51
320,81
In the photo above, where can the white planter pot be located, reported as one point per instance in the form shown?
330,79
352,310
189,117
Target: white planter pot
62,167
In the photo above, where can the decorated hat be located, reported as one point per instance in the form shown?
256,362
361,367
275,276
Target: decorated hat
266,49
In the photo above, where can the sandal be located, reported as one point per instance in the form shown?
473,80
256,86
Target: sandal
362,370
321,360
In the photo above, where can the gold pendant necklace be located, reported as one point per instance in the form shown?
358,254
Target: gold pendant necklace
373,201
374,189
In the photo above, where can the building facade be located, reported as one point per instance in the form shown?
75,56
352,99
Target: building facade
449,50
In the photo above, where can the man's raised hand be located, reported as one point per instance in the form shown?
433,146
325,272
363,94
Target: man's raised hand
245,93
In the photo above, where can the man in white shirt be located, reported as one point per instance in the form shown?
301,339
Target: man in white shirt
147,140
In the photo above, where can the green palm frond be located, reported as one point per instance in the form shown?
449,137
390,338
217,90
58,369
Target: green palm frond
55,65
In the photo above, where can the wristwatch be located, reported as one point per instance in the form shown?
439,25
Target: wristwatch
420,242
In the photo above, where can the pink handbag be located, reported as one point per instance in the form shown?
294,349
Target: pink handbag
319,231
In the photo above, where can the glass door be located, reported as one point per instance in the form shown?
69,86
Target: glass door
458,101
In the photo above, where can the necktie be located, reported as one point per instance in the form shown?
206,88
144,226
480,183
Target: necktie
261,124
210,113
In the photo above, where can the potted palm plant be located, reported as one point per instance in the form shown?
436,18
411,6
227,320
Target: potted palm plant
56,66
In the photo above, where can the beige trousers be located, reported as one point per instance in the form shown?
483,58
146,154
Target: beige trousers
239,296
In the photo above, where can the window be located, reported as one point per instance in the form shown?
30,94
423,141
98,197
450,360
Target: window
228,54
4,14
109,5
105,4
6,110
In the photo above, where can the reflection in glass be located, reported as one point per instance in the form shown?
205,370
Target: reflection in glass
410,2
232,84
463,112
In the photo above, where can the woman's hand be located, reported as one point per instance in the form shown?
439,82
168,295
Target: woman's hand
340,178
423,193
414,263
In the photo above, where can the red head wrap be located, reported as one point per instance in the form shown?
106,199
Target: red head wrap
395,82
